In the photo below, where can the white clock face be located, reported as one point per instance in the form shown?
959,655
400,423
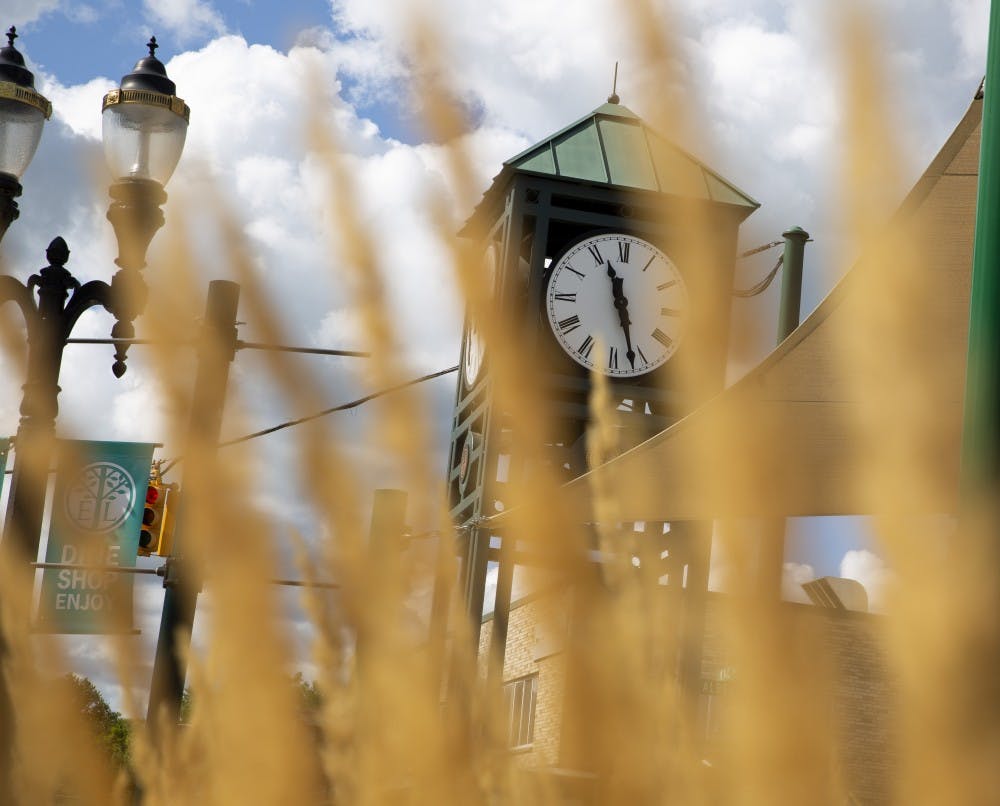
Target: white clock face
472,360
622,293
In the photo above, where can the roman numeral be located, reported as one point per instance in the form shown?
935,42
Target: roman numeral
595,253
577,273
613,358
669,312
642,355
566,297
666,285
649,263
585,348
662,338
623,247
569,324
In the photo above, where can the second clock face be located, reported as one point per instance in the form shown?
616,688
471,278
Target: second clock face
472,361
622,293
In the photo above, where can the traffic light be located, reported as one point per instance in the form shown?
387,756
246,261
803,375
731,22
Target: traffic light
156,535
152,517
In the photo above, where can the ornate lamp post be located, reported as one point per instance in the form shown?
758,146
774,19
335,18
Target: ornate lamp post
144,128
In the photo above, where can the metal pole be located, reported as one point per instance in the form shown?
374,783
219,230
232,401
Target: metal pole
476,568
48,325
216,352
981,430
384,545
791,281
501,609
771,557
387,526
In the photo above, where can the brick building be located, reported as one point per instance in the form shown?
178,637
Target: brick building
851,658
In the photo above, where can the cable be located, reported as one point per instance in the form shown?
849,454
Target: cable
759,249
283,348
342,407
754,290
240,345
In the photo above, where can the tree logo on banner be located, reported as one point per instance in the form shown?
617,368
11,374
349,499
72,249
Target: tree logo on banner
101,497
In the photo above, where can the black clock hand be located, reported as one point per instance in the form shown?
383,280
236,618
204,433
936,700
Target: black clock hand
621,305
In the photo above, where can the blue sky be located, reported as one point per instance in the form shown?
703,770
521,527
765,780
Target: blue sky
84,39
762,86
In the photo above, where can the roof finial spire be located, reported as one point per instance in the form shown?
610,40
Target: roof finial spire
613,97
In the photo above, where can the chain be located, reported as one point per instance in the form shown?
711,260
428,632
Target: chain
761,287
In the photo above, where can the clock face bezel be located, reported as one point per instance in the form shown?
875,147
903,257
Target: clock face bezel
475,348
580,303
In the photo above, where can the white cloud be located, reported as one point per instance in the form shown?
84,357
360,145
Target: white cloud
341,329
21,12
517,66
82,13
871,571
793,575
185,19
79,106
970,20
138,411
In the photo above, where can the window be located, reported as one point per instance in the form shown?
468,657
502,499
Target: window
519,699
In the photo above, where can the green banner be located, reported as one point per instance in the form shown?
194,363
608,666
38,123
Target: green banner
100,492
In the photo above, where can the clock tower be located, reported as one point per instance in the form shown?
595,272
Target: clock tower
607,249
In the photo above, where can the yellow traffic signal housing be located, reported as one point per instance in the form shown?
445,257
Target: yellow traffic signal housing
170,505
156,535
152,517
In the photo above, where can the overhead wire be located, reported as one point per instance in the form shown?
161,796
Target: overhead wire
333,409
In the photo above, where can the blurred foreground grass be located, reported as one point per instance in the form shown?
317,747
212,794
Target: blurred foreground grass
387,729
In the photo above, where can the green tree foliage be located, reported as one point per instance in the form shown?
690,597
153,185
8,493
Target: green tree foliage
109,726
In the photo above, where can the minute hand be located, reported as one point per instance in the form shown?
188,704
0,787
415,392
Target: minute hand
621,305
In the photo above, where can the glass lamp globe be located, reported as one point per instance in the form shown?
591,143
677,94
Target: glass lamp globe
23,111
145,123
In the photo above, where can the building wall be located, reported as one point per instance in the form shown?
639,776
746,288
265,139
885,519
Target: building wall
534,646
862,692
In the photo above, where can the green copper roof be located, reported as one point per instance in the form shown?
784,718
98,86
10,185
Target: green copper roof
612,145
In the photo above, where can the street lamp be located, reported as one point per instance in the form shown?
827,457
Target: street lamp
145,124
144,128
23,112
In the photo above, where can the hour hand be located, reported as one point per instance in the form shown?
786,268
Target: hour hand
621,305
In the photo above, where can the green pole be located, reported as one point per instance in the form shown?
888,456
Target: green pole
791,281
385,546
981,433
771,557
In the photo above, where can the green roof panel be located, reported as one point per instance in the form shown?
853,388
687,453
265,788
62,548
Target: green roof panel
579,154
627,153
539,160
720,190
678,173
